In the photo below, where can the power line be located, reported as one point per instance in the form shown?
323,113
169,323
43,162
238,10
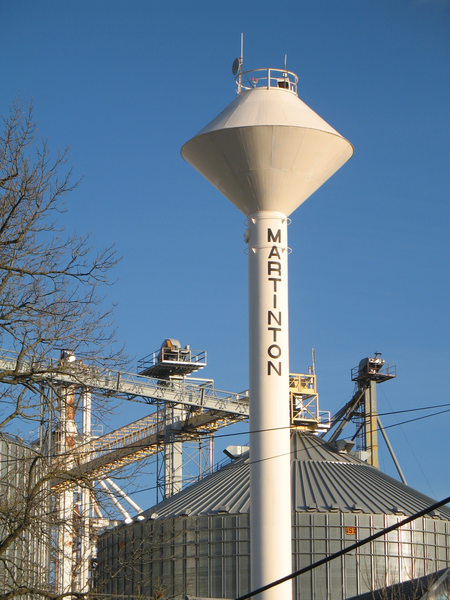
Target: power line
379,414
407,410
441,412
137,446
303,449
411,449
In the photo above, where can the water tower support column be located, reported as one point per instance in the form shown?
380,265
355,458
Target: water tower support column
270,495
267,152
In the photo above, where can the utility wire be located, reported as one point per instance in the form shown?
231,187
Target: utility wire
299,450
296,451
397,412
221,435
441,412
137,446
433,495
407,410
329,558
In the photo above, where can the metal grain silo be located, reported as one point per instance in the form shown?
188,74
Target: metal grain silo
197,543
25,563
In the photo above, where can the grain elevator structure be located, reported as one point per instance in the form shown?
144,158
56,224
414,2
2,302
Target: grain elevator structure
293,498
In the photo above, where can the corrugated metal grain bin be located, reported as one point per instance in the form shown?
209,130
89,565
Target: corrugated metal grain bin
197,542
25,562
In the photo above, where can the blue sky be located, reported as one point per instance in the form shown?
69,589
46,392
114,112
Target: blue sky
125,84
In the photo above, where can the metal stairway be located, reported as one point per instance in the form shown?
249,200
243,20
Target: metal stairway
131,443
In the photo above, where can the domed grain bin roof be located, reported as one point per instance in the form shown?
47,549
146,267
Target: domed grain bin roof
323,480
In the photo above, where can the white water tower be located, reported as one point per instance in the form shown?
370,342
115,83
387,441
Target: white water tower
267,152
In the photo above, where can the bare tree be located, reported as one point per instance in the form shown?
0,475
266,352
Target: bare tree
49,282
50,298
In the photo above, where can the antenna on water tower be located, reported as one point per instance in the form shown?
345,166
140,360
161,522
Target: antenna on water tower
237,64
267,152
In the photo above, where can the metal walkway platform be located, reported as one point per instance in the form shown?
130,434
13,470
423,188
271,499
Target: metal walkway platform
129,386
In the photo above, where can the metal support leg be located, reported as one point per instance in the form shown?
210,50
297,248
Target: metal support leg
370,423
173,458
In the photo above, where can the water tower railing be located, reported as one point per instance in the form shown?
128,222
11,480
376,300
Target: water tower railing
266,78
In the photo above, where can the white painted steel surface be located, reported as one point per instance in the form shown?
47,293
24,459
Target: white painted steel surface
174,417
86,415
131,385
126,515
85,508
267,151
125,496
65,542
85,547
270,496
65,435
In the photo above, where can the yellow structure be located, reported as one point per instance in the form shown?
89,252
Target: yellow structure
304,403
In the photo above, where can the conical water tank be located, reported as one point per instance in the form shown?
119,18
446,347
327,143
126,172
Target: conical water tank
267,150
